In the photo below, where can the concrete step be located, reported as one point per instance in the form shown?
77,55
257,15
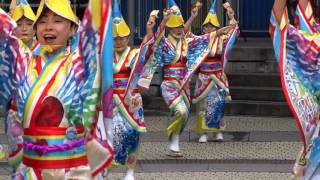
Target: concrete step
273,94
252,51
229,136
258,108
237,123
234,107
249,54
182,175
270,66
254,79
228,152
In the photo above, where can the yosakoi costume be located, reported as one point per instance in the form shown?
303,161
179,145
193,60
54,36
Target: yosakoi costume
23,9
178,56
297,51
128,118
56,98
212,89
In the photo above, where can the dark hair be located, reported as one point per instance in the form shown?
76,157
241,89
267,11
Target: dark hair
45,10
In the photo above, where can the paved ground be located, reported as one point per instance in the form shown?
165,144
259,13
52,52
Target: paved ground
254,148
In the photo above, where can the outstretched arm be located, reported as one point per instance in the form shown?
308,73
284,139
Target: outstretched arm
230,13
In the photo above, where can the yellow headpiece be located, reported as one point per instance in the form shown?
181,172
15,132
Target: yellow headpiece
119,25
212,17
60,7
23,9
175,19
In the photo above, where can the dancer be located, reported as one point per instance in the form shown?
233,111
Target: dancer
57,89
212,89
128,118
177,54
297,51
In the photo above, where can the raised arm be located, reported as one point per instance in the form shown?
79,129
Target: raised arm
194,14
150,25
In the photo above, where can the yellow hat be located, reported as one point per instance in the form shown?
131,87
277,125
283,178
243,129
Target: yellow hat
23,9
212,17
60,7
175,19
119,25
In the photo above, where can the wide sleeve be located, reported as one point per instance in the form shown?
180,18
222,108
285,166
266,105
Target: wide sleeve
228,42
141,57
14,58
305,19
91,88
155,59
96,49
198,49
278,32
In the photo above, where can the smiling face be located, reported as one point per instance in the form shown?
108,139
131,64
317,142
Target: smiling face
120,43
53,30
24,30
208,28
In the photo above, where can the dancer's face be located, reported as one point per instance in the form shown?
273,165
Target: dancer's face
120,43
177,31
24,30
208,28
52,29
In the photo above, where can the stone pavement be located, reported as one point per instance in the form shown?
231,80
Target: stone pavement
254,148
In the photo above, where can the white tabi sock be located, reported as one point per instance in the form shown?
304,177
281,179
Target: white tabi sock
130,174
174,143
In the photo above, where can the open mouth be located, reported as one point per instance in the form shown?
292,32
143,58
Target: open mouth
49,38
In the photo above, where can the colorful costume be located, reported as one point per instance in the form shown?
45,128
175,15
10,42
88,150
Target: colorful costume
56,98
179,57
212,89
297,51
23,9
128,119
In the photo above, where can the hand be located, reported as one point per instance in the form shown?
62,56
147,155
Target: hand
195,12
166,14
230,13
